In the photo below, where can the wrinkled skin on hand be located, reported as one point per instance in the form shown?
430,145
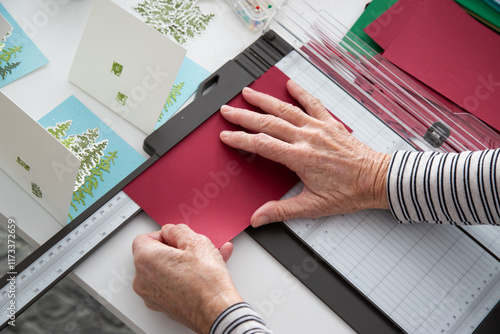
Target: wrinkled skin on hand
182,274
340,174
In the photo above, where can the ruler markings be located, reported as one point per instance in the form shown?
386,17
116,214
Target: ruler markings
61,257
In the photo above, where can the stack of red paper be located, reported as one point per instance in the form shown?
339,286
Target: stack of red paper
441,45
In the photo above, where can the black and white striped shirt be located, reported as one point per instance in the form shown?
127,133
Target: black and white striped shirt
239,319
450,188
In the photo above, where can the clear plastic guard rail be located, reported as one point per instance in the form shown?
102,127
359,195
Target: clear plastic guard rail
377,84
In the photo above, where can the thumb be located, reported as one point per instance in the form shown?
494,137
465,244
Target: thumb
276,211
146,241
226,251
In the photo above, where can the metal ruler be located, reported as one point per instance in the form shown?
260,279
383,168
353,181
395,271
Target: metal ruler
48,266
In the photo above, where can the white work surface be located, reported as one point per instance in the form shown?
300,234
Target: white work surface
56,27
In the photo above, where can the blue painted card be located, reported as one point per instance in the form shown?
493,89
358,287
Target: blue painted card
20,55
189,77
105,157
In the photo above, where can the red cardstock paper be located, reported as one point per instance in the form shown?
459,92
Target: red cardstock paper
448,50
209,186
384,29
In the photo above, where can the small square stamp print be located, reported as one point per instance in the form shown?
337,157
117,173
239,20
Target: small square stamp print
35,189
117,69
121,98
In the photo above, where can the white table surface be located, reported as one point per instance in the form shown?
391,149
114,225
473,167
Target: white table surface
56,27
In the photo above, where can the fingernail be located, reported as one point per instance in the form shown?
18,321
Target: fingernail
224,134
262,220
225,108
292,83
248,90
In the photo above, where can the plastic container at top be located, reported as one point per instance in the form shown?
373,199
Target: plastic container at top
254,13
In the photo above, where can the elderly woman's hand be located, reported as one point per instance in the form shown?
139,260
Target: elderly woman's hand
182,274
340,174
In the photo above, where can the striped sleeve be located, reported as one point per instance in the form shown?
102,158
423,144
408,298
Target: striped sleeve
445,188
239,319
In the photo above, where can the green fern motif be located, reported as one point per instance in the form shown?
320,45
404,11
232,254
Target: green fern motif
10,52
6,56
84,141
172,98
176,91
91,154
90,157
59,130
84,146
5,70
180,19
92,179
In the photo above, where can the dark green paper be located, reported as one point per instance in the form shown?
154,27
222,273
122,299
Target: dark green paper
373,11
483,12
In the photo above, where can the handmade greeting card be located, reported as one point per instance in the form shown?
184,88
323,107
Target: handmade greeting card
126,64
19,55
36,160
106,158
182,20
189,78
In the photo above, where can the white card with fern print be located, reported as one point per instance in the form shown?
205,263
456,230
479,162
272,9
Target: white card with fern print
106,157
37,161
126,64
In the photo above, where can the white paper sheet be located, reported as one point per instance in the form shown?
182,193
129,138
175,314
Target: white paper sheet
36,160
126,64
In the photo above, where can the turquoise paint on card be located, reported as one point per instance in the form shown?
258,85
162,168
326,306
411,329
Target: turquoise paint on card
29,57
190,76
83,119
